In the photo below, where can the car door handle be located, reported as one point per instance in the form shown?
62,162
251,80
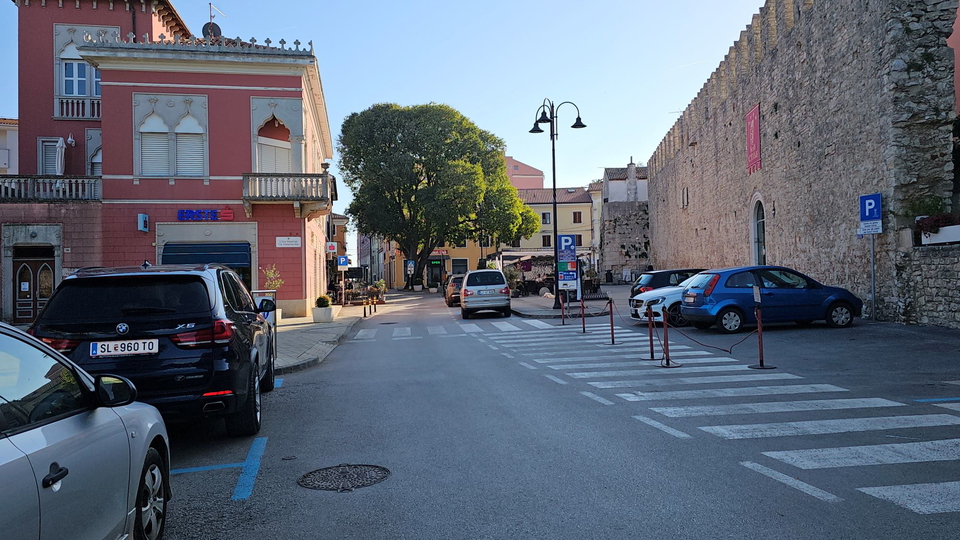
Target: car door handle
57,473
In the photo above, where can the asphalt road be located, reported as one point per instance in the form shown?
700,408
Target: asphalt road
514,428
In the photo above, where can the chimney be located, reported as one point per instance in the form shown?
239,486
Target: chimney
631,181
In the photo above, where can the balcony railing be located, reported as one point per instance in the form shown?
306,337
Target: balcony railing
77,108
15,188
283,187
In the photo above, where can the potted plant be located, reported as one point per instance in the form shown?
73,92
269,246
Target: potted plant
433,286
324,312
417,285
938,228
381,287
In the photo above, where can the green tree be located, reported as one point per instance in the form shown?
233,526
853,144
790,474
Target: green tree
426,175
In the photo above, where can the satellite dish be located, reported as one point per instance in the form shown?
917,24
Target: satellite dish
211,29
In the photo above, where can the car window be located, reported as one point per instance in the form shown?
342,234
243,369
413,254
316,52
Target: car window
644,279
229,293
700,281
741,280
34,386
245,301
677,278
782,279
485,278
117,297
687,282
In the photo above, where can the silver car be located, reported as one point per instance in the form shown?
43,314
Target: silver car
484,289
78,458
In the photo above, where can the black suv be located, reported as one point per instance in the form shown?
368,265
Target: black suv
189,337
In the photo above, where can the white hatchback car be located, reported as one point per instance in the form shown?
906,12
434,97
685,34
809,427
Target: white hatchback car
484,289
657,300
79,458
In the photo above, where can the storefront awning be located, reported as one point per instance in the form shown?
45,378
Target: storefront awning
234,255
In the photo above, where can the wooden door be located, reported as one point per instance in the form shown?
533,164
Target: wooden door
33,281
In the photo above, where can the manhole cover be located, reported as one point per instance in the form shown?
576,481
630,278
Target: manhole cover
389,322
344,477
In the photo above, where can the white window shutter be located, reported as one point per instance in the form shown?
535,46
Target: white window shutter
190,155
267,158
49,158
154,154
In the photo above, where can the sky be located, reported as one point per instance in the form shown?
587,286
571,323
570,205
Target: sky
630,66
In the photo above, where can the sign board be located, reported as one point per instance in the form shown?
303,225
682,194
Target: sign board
756,294
288,242
331,247
205,215
567,261
143,222
410,266
439,252
567,246
871,220
342,262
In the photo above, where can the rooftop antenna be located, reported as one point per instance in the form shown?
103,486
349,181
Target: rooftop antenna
211,29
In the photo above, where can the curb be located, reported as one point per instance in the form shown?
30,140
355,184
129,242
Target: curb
310,362
523,315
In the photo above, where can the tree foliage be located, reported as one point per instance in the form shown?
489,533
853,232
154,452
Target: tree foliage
426,175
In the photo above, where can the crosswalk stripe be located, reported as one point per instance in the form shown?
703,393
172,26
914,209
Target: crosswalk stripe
663,427
642,360
401,331
777,406
792,482
558,330
760,376
597,398
506,327
877,454
538,324
366,333
436,330
635,363
592,348
566,342
556,379
654,370
951,406
470,328
733,392
934,498
822,427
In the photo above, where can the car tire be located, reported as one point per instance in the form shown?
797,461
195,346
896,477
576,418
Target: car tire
840,315
676,318
701,325
730,320
151,512
464,314
269,381
506,312
246,421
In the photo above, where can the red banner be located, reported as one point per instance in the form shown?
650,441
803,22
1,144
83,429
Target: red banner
753,140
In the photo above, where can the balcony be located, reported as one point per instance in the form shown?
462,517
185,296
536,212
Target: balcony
29,189
310,194
76,108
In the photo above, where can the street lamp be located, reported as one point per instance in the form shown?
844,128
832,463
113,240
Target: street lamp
548,115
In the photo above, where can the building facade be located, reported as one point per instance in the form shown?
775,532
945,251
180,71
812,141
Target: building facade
9,146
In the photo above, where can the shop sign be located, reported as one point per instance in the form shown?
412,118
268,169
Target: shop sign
205,215
331,247
288,242
439,252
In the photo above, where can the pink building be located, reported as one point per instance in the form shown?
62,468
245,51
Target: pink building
523,176
138,143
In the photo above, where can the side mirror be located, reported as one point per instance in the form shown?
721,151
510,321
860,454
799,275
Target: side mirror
114,390
266,306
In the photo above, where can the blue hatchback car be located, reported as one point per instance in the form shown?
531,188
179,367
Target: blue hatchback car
725,298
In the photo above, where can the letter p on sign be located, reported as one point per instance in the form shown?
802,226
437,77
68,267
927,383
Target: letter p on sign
567,241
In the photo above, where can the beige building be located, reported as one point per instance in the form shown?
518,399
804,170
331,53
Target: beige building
9,128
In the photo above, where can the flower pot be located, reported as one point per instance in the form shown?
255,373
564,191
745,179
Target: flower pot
417,288
433,289
950,233
323,314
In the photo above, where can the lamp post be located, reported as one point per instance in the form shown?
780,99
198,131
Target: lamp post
548,115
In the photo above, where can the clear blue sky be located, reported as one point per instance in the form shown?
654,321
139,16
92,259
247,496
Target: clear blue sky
630,65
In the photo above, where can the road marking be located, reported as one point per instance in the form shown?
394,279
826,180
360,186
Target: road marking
452,335
470,328
507,355
643,362
494,347
777,406
564,343
538,324
401,331
951,406
733,392
406,338
526,365
653,370
822,427
938,400
505,327
248,474
277,383
696,380
436,330
592,350
663,427
557,380
792,482
877,454
597,398
366,333
934,498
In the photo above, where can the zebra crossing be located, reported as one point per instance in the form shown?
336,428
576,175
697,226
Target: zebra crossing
673,402
536,333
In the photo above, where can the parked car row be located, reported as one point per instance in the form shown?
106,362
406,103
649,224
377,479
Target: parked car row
186,341
725,298
478,290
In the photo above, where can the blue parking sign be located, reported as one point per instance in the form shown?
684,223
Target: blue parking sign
870,207
343,261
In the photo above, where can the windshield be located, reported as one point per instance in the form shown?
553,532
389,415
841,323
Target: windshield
115,297
698,281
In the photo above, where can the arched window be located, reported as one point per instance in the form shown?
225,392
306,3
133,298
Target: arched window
44,282
154,147
77,77
273,148
759,235
190,147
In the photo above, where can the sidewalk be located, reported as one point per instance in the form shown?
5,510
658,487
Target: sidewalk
539,307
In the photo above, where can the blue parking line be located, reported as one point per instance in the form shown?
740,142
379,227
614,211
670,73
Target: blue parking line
251,467
937,400
277,383
207,468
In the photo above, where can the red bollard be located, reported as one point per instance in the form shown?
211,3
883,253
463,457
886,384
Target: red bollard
613,340
650,330
760,341
583,320
666,342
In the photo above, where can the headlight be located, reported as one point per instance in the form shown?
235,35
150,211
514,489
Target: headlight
655,301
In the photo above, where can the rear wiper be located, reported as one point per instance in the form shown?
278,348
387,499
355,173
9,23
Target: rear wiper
146,310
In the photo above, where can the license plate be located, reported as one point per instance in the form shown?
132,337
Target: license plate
689,299
127,347
485,292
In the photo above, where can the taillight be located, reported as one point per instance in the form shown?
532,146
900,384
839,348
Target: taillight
61,345
466,292
220,393
221,333
646,289
505,290
711,285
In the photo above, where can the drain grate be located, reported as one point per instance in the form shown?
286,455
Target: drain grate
344,477
394,322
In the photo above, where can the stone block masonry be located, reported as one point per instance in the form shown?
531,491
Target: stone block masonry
624,237
855,97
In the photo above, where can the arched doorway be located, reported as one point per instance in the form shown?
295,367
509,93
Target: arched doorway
34,280
759,235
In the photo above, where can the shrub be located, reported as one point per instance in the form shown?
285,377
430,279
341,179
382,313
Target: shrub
931,224
323,301
273,280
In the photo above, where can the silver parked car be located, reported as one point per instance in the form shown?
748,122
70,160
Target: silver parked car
484,289
79,458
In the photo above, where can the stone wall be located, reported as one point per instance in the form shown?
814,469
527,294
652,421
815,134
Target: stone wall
855,97
624,238
931,277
